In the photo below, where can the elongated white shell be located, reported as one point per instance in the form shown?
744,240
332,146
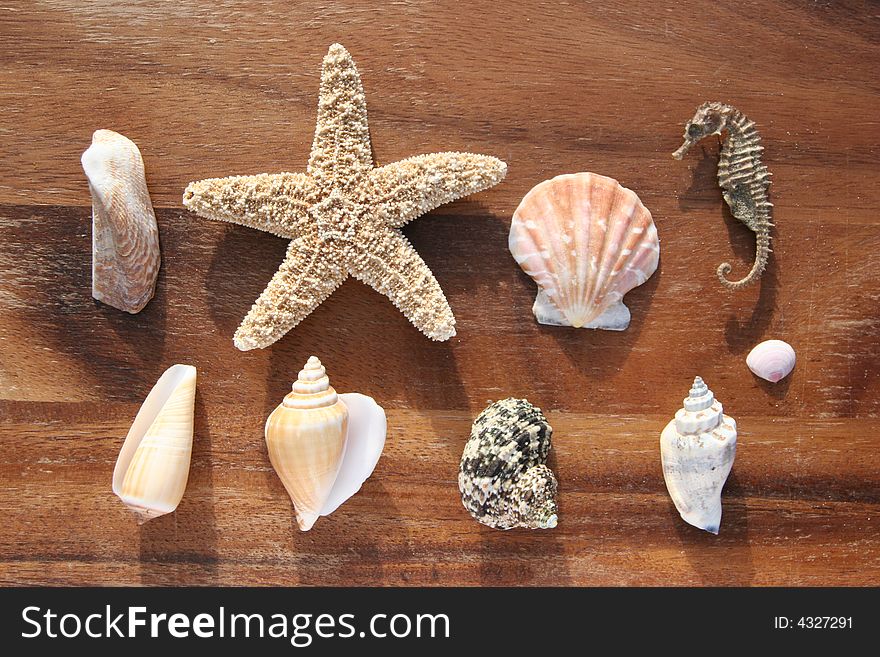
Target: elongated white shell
697,450
323,445
586,241
772,360
125,238
153,465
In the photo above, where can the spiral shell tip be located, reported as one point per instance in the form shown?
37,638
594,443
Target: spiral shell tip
311,380
698,389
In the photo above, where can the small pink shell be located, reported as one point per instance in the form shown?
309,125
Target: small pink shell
772,360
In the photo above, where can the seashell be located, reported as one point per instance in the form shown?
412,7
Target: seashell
125,238
323,446
586,241
153,464
772,360
697,449
503,478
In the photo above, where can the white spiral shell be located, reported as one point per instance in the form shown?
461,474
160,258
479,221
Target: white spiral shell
697,449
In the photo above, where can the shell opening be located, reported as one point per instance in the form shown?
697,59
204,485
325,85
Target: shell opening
155,402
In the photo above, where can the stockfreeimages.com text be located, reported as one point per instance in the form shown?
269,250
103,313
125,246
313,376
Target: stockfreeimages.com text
299,629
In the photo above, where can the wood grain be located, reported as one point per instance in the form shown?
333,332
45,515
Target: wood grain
218,88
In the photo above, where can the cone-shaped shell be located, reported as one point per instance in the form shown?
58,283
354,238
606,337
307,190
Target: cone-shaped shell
772,360
125,238
697,449
306,436
586,241
153,465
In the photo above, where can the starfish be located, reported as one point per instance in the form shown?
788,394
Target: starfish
343,215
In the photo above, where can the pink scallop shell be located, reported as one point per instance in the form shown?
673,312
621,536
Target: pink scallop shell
586,241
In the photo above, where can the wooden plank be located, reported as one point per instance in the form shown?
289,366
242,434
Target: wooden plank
783,510
216,88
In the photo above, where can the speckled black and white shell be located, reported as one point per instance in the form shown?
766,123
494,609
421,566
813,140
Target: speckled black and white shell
503,480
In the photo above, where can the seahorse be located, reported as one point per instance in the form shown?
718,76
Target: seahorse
741,175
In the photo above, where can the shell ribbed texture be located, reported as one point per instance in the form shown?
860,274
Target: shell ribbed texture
700,412
312,387
586,241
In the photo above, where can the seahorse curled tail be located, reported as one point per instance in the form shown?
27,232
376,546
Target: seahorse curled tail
762,253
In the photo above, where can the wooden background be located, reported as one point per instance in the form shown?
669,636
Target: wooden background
218,87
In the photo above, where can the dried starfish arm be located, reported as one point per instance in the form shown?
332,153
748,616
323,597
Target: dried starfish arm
393,268
308,275
276,203
409,188
341,147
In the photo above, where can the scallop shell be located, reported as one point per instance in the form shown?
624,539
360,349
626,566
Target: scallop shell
586,241
153,465
125,238
697,449
503,478
323,445
772,360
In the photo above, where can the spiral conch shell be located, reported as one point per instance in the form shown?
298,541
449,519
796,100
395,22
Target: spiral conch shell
697,449
772,360
153,465
323,446
586,241
125,238
503,478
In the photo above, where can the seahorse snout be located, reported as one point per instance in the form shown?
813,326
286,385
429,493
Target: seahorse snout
682,149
